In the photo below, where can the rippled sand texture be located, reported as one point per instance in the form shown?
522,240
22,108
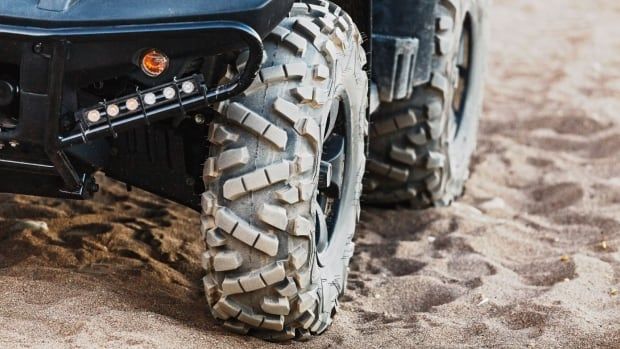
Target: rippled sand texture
528,257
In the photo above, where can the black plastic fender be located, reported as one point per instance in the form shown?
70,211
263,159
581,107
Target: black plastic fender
261,15
412,19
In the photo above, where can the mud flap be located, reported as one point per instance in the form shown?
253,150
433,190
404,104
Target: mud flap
394,66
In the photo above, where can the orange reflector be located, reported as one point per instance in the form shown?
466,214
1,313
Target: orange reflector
154,63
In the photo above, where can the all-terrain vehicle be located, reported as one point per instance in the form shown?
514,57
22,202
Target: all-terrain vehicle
255,113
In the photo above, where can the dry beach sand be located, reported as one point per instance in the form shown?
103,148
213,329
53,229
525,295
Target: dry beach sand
529,257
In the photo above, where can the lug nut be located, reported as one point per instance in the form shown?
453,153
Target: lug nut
14,144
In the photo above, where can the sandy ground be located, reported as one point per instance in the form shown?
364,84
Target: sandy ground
529,257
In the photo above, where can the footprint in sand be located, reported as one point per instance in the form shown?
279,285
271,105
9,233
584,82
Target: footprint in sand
402,267
546,272
550,198
74,235
452,244
604,224
588,148
423,294
566,125
470,266
519,317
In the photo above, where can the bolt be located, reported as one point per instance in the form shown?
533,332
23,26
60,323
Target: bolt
38,48
190,182
199,119
14,144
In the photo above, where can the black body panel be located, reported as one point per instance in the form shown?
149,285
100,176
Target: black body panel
262,15
162,160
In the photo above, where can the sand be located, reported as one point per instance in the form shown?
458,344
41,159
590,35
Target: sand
529,257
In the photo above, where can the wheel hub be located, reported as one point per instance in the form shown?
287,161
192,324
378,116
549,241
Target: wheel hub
461,76
331,180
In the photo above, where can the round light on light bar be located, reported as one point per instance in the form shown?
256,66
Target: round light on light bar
150,98
132,104
93,116
113,110
169,93
188,87
154,63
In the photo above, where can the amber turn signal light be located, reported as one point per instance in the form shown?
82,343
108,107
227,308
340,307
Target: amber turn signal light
154,63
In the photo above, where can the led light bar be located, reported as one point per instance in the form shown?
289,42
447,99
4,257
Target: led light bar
142,102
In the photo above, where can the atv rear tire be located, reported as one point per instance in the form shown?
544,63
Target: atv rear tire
420,149
277,254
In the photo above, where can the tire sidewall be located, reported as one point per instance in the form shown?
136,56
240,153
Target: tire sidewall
333,267
462,147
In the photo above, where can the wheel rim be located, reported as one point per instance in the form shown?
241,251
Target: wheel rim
332,176
462,69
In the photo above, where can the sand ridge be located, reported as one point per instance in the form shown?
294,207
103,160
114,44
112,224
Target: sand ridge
528,258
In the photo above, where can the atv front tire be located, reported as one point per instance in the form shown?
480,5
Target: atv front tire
284,178
420,148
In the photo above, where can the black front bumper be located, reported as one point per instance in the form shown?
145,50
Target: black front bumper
51,63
